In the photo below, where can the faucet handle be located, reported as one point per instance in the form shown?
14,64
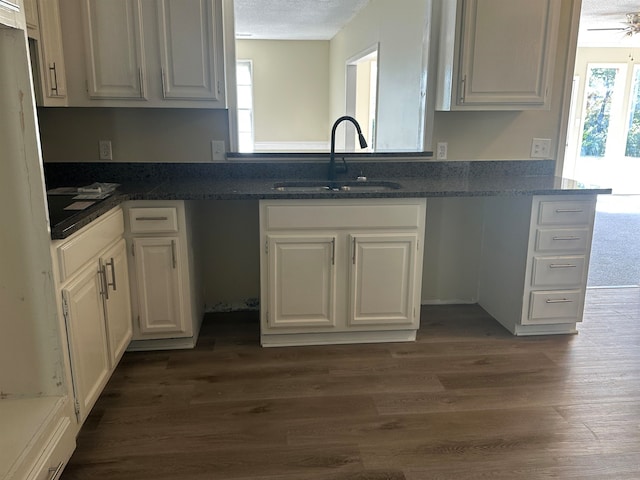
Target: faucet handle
344,168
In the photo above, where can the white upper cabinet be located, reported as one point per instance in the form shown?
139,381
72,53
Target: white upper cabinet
10,14
189,60
45,45
31,13
134,53
496,54
113,43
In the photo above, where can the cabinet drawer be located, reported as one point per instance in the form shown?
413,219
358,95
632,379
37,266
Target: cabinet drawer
558,271
55,455
565,240
565,213
555,305
88,243
317,215
153,220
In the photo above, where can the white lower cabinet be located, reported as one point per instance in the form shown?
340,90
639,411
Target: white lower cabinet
382,279
117,300
302,278
340,271
93,280
84,313
535,259
166,304
158,283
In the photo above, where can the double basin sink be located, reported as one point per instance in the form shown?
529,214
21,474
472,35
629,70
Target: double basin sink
312,186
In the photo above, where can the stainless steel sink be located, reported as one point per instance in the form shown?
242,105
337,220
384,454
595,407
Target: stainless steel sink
312,186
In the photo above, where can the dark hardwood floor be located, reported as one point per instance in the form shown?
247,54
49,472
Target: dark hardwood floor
466,401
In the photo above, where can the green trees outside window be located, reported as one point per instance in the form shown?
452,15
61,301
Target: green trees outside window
633,136
599,93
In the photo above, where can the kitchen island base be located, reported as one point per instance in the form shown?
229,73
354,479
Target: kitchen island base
342,338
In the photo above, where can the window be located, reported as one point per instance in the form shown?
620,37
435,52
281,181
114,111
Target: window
244,73
633,131
601,83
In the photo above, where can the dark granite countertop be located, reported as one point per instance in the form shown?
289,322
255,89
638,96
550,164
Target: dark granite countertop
205,182
65,222
260,189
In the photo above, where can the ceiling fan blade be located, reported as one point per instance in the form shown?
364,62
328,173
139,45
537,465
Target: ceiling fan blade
604,29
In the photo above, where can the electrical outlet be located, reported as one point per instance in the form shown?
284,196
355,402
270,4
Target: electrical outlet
441,150
105,150
217,151
541,148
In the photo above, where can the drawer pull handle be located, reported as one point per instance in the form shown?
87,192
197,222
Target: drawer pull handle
162,81
151,219
565,238
333,251
54,472
569,210
562,265
53,77
141,82
173,254
559,300
104,283
112,264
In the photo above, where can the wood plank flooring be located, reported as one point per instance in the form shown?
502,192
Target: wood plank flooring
466,401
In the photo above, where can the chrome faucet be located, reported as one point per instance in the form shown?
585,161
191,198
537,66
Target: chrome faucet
332,159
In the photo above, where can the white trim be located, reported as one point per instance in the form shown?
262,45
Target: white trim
336,338
565,105
9,5
291,146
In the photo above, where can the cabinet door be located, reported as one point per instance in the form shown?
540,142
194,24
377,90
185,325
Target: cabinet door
158,281
507,51
301,282
118,303
114,48
53,74
188,49
84,314
31,13
383,269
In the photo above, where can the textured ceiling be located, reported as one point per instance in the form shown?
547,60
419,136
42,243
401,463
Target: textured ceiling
607,14
294,19
322,19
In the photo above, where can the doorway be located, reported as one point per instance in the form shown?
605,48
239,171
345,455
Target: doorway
362,95
604,137
603,148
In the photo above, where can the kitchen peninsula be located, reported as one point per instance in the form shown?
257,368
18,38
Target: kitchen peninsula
512,200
